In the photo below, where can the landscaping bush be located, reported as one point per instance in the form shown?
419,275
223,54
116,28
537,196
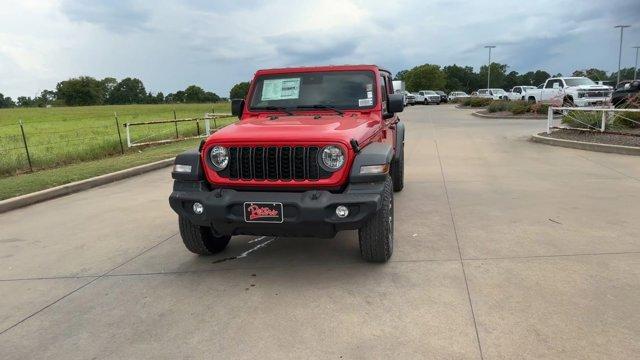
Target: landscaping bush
476,102
497,106
519,107
582,119
626,120
538,108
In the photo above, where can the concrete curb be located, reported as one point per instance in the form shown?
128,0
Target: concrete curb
509,117
606,148
66,189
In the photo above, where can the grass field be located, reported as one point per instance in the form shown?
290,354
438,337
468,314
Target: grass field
66,135
27,183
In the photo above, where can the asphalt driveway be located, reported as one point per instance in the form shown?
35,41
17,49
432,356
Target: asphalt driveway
504,249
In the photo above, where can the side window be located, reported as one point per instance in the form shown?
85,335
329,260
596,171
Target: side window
518,90
551,84
384,93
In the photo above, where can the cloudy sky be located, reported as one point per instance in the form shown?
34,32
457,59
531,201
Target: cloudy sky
216,43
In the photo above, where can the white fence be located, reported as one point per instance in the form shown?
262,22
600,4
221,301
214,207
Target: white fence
608,114
171,133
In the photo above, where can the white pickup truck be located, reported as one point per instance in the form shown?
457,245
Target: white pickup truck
571,91
519,92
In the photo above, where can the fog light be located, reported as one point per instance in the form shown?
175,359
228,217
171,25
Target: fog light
198,208
342,211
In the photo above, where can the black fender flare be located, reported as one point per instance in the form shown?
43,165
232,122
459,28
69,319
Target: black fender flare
399,140
189,158
373,154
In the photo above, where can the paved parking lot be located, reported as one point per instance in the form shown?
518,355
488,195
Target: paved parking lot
505,249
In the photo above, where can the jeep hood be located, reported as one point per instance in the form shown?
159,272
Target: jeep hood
299,129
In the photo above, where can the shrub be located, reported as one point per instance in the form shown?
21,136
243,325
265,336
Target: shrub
582,119
539,108
626,120
519,107
476,102
497,106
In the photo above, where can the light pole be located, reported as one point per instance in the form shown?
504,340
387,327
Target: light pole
635,68
620,51
489,67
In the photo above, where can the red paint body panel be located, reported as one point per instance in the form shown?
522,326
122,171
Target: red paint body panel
257,128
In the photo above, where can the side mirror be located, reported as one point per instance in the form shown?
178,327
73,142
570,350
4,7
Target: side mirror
237,105
396,103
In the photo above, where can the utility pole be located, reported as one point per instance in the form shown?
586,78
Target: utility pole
489,67
620,51
635,68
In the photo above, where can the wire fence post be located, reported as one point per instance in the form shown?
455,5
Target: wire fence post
119,134
198,127
175,123
26,147
603,125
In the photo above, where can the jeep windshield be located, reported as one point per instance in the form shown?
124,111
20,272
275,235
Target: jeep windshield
579,81
304,91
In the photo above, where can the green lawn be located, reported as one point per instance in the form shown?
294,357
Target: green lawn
60,136
39,180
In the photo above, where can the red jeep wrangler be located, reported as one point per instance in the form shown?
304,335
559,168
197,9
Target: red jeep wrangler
317,150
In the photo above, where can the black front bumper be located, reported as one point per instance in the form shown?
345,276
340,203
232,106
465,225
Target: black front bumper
308,214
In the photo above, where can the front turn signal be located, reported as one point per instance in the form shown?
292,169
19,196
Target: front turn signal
374,169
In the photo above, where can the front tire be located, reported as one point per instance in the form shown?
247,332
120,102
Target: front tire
376,235
200,239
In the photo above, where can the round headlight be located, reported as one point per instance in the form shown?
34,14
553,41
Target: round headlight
219,156
332,158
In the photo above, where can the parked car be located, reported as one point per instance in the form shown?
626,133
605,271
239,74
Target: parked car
430,97
443,96
625,91
419,98
518,92
457,95
307,158
409,97
571,91
495,94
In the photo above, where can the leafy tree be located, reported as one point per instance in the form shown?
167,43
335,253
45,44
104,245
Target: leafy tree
239,90
108,84
511,79
193,94
400,75
498,74
210,97
423,77
25,101
593,74
128,91
625,74
83,90
6,102
540,76
159,97
460,78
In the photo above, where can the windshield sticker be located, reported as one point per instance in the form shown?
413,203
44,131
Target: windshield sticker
369,94
369,87
281,89
365,102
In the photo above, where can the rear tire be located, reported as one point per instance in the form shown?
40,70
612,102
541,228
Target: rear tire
200,239
376,235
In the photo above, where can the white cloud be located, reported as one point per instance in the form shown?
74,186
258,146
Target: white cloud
171,44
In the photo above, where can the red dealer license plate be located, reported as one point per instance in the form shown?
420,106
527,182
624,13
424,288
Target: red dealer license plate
263,212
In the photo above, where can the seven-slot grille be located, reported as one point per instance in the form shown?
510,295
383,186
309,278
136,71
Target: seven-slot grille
274,163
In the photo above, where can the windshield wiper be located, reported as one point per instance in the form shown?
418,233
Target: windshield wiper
320,107
274,108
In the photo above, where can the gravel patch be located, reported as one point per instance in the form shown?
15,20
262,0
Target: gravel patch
595,137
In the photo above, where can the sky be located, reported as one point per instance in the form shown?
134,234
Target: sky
215,44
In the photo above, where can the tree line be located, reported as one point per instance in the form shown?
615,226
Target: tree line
465,78
86,90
